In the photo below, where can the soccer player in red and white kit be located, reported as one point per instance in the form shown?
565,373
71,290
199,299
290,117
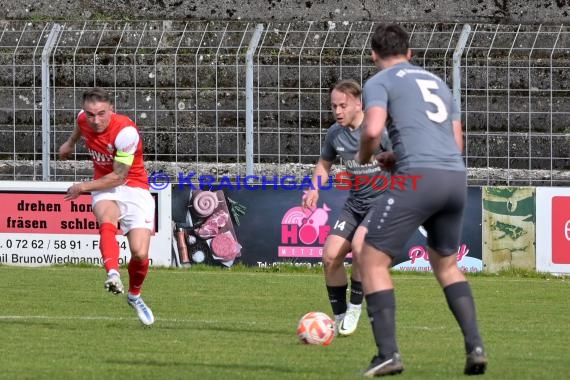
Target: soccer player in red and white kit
119,189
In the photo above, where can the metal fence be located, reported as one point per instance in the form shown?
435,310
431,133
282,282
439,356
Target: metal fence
230,97
516,97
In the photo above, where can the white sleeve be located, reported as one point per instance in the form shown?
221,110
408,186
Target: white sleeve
127,140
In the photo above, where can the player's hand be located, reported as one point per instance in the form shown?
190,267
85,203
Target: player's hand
386,161
310,199
65,150
74,191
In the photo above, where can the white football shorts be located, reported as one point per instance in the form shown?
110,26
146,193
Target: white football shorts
136,206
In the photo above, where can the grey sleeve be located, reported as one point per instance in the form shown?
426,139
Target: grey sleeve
328,152
375,94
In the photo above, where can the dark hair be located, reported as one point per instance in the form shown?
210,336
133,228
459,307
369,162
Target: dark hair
96,94
390,40
349,86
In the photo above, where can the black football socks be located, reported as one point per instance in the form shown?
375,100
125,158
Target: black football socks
381,307
356,294
460,301
337,298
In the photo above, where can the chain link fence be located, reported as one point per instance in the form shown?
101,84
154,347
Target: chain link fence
185,84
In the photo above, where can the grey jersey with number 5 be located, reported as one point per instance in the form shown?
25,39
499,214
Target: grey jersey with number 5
421,108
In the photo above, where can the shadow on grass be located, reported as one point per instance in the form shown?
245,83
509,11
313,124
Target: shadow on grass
191,364
237,329
28,322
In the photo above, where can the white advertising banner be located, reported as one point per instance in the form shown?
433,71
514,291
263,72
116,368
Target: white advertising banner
39,228
553,229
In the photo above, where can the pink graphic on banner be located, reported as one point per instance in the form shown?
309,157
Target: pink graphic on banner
419,260
309,231
296,215
306,226
419,252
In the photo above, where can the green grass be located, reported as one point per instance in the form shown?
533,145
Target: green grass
58,323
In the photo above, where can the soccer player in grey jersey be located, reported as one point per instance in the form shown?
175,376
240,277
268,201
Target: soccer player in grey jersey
347,234
425,130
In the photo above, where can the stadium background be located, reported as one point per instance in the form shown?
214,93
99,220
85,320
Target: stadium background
183,80
57,322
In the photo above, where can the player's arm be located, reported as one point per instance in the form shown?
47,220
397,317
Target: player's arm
126,144
386,158
321,173
69,145
116,178
322,169
320,178
375,121
458,134
456,125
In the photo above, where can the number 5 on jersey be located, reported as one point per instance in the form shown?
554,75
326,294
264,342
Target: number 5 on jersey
429,97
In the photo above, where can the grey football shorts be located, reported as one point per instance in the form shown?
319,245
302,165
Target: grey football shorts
437,203
349,219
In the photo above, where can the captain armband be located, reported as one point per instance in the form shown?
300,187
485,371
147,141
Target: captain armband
124,158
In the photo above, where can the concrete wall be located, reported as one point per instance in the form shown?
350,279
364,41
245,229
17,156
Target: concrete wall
484,11
520,124
68,73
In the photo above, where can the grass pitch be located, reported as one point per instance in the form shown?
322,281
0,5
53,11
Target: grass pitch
59,323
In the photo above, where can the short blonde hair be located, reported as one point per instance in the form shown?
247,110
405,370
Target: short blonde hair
350,87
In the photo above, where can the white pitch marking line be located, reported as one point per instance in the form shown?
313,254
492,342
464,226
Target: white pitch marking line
104,318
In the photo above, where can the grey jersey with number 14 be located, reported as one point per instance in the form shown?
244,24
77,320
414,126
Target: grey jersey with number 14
344,142
421,108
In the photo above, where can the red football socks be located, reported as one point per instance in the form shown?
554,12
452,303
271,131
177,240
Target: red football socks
137,273
109,246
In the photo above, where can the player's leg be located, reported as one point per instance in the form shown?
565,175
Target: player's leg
381,308
139,243
354,307
461,303
334,252
395,217
138,223
107,213
444,232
